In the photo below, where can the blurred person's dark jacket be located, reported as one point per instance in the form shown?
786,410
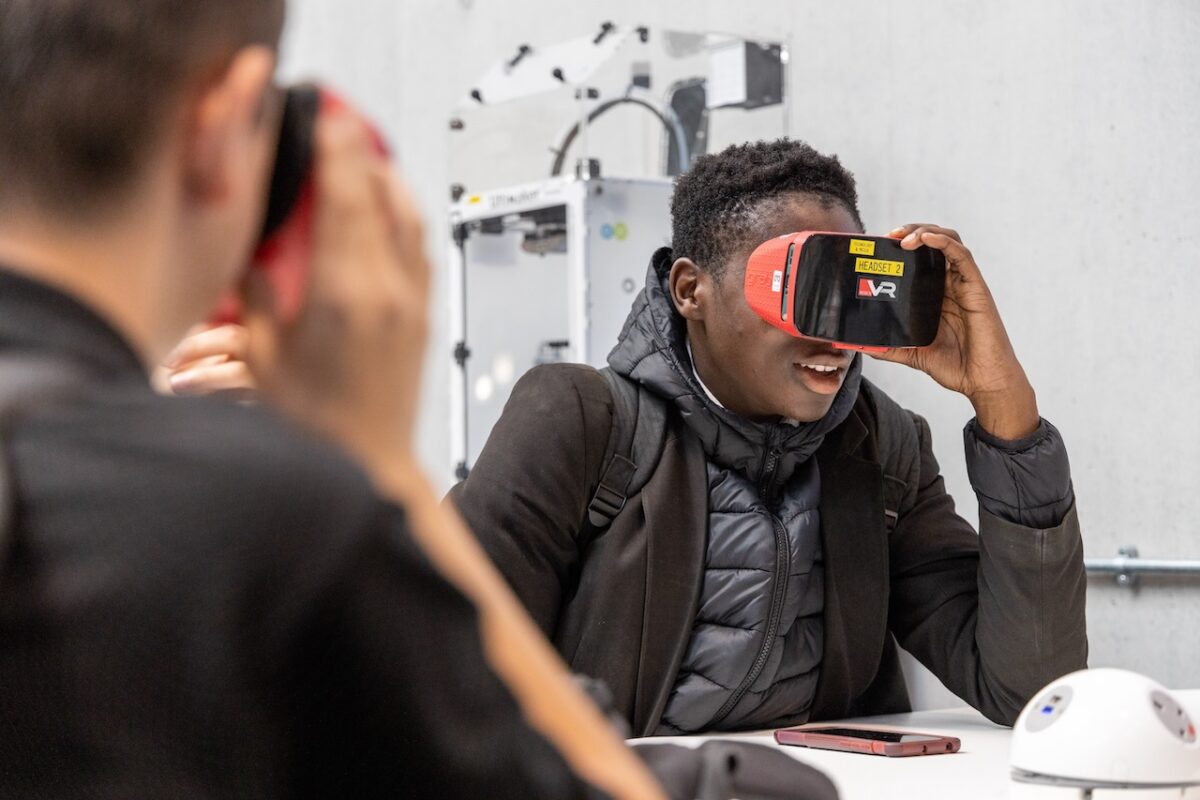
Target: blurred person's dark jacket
198,602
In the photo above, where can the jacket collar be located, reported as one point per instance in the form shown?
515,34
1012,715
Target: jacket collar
847,438
35,317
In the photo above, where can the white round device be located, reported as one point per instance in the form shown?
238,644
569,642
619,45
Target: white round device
1105,732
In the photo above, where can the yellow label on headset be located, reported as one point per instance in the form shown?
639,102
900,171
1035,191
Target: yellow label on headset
862,247
875,266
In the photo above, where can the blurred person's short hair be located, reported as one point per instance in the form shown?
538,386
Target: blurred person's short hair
86,86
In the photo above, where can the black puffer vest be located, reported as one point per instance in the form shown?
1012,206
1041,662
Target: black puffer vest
755,650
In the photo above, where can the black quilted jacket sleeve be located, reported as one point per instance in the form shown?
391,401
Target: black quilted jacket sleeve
997,614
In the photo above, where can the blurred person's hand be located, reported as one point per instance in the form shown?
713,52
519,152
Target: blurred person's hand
211,360
972,354
349,365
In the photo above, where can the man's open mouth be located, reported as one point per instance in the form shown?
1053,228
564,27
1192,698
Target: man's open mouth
821,368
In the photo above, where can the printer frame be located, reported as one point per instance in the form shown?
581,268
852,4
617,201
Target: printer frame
595,238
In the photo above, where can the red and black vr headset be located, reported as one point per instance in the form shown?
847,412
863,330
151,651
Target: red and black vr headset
858,292
285,244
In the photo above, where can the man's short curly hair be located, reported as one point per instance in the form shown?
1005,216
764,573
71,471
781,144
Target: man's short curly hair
722,203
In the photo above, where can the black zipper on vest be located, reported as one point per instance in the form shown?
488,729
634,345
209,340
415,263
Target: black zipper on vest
783,562
766,482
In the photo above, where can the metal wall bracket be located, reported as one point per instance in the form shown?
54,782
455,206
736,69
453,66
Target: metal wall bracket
1128,566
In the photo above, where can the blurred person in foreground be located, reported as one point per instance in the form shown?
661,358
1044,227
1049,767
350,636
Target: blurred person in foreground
201,599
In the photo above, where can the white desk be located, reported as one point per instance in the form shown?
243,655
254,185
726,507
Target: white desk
979,771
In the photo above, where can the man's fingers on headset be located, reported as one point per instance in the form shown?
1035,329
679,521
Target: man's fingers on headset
894,355
224,340
910,234
200,363
958,257
345,198
408,229
231,376
351,224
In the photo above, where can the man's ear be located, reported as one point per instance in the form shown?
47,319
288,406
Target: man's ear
691,289
225,122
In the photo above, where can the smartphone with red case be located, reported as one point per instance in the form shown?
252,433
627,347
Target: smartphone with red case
870,741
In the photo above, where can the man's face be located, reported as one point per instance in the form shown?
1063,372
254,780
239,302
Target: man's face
752,367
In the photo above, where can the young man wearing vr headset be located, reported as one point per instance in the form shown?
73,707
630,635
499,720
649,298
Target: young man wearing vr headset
198,599
794,528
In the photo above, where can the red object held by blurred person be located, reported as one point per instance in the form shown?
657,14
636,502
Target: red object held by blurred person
285,246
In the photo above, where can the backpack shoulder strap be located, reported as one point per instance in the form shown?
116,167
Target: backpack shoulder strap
26,380
635,445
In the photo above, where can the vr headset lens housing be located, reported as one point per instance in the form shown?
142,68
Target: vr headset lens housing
858,292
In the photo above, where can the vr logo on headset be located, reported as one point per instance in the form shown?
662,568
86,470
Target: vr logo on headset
876,290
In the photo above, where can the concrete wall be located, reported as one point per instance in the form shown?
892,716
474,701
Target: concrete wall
1058,137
